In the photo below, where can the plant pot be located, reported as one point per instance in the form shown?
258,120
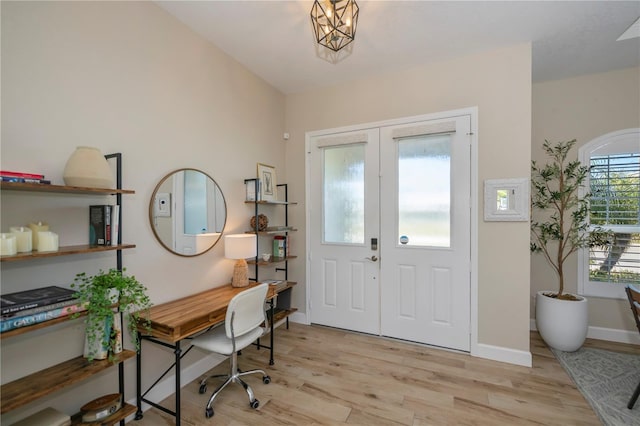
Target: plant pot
563,324
106,339
98,347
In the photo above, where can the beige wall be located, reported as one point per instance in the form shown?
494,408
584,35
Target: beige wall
583,108
499,83
123,77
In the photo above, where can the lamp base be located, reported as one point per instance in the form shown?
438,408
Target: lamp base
240,274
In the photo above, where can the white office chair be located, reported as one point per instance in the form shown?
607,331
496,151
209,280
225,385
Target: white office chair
243,325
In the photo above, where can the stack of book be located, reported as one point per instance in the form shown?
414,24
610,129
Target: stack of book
30,307
281,246
8,176
103,225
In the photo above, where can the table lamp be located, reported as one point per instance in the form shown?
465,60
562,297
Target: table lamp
240,247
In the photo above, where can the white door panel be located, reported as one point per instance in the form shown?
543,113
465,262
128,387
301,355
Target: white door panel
344,217
425,232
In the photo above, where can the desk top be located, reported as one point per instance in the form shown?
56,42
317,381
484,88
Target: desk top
175,320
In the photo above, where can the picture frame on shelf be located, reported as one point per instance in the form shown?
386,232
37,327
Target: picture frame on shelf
268,183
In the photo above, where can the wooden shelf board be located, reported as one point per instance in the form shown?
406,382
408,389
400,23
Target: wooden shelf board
283,203
281,314
271,261
282,231
41,383
121,414
60,189
64,251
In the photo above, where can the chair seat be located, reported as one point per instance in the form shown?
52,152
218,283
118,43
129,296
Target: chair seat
218,342
243,324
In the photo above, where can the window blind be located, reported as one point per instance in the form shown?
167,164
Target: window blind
615,205
343,140
425,129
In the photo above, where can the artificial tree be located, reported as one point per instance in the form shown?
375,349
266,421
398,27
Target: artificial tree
564,226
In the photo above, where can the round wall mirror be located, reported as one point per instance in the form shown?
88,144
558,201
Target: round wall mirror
187,212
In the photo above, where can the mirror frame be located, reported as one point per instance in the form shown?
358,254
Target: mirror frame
151,216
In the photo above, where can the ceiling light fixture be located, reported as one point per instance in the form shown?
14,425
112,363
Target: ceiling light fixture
334,22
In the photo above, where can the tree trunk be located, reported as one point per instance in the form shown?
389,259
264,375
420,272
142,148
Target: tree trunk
620,244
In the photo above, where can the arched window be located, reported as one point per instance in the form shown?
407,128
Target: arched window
614,182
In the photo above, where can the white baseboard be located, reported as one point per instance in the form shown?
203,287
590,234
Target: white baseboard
614,335
608,334
299,317
498,353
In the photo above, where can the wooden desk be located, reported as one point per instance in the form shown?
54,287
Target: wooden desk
179,319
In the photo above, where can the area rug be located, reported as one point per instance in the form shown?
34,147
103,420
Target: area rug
607,381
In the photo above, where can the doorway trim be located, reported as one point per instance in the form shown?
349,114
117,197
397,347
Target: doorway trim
472,112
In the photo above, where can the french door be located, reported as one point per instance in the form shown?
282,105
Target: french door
344,219
390,231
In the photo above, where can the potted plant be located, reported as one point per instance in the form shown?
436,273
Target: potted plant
108,296
561,228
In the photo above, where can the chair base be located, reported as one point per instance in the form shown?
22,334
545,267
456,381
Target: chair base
233,377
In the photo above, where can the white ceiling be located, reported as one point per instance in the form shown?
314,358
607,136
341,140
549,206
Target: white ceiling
274,39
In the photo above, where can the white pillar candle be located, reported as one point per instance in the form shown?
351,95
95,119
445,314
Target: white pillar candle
35,228
47,241
24,241
7,244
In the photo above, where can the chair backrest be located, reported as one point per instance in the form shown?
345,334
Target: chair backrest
246,311
633,293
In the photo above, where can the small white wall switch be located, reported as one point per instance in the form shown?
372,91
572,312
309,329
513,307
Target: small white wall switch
162,205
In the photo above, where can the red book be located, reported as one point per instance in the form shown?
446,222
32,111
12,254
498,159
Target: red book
20,174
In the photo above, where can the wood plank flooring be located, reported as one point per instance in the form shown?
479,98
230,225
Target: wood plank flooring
325,376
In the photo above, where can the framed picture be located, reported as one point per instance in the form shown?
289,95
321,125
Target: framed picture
506,200
268,183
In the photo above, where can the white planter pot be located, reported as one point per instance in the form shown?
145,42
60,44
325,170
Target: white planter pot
110,328
563,324
98,348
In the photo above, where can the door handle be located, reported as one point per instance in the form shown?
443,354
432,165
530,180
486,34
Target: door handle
372,258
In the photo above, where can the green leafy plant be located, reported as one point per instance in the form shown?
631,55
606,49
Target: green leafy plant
102,294
565,228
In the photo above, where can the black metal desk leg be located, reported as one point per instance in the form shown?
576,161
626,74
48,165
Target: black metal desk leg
178,351
271,334
139,414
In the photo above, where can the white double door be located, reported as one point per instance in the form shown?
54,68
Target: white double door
389,246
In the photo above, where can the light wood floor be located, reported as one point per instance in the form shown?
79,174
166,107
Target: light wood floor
327,376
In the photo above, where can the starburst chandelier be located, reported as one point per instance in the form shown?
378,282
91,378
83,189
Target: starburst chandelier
334,22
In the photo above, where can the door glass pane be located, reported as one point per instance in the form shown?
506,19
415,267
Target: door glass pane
424,191
343,218
195,207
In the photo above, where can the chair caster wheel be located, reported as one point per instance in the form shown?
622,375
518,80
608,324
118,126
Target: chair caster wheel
254,404
203,388
208,413
266,380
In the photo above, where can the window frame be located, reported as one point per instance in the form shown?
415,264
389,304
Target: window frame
610,143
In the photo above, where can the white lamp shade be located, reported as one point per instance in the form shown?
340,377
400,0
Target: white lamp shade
240,246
